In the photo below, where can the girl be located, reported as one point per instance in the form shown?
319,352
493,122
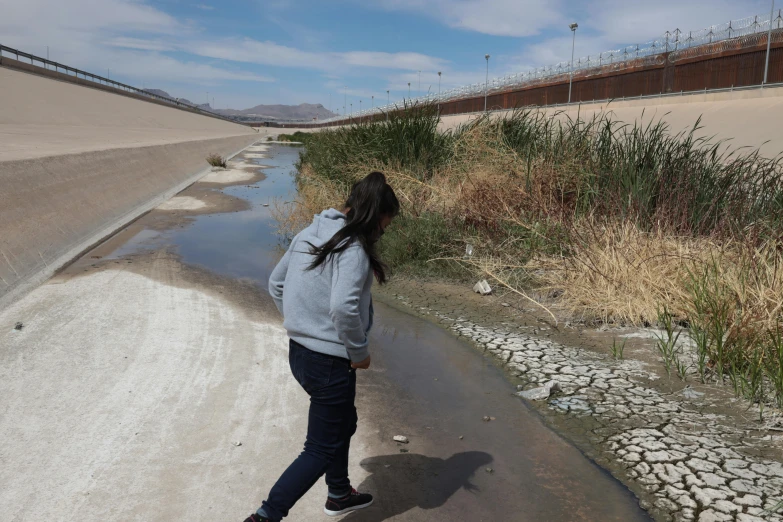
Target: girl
322,288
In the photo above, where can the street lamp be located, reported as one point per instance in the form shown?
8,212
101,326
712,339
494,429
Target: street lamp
360,111
486,83
439,73
573,28
769,41
409,92
345,99
388,102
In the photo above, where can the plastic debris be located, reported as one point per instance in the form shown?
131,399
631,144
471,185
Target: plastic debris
540,393
401,438
482,287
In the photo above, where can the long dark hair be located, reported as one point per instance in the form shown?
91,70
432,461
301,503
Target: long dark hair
370,200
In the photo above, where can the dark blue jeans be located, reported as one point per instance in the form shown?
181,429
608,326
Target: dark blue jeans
331,383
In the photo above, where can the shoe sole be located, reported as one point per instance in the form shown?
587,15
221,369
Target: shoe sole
346,510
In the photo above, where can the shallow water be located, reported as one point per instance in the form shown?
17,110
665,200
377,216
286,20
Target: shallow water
242,245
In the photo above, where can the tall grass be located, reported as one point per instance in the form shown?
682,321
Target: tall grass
408,140
640,172
612,221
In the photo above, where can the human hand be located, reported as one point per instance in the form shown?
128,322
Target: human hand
361,365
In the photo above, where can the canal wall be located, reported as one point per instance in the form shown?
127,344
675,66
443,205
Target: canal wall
745,120
78,163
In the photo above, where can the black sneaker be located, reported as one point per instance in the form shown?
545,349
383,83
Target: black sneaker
255,517
351,502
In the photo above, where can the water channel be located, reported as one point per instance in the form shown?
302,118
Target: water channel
424,380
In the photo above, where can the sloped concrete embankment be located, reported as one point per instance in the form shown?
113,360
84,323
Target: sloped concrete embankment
53,208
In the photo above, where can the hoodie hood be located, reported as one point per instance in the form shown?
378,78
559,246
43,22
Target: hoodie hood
326,224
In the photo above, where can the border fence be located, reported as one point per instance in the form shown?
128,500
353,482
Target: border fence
671,49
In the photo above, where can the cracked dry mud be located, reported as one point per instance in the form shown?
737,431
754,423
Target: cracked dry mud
684,464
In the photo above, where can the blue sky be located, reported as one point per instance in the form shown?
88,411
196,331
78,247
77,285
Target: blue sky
248,52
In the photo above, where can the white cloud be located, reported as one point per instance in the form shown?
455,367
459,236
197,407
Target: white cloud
271,53
495,17
612,24
158,67
204,7
624,24
126,36
37,17
140,44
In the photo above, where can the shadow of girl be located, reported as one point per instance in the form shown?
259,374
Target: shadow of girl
407,480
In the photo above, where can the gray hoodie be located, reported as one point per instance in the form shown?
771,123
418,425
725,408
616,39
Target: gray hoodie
328,309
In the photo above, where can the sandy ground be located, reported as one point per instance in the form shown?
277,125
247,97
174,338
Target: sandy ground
127,389
182,203
230,175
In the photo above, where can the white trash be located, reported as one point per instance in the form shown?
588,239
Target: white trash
541,393
401,438
482,287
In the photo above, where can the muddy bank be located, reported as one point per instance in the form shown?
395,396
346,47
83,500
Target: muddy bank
690,452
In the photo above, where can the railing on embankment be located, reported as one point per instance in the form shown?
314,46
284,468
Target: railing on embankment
58,71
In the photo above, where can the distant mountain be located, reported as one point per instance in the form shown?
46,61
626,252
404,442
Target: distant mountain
303,111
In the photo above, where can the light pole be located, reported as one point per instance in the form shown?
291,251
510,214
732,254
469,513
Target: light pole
345,99
418,92
388,102
207,97
439,73
573,28
486,83
360,111
409,92
769,41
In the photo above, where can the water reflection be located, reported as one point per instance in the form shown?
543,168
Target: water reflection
243,244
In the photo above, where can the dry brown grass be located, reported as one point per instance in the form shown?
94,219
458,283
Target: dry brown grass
216,160
620,274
